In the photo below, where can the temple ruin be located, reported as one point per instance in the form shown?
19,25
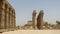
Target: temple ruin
7,15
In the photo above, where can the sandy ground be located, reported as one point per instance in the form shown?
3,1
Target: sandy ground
33,32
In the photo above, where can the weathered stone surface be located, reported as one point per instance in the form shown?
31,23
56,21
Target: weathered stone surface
7,15
40,20
34,18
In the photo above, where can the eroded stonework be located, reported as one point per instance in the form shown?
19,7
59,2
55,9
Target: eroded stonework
40,20
7,15
34,19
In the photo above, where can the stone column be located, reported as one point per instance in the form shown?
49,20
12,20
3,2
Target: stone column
10,18
0,12
2,15
34,19
14,20
40,20
6,17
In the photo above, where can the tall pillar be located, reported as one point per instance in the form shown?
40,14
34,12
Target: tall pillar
0,12
10,13
40,20
9,16
14,20
2,15
34,19
6,17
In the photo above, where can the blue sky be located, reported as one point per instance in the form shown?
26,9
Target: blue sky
24,9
